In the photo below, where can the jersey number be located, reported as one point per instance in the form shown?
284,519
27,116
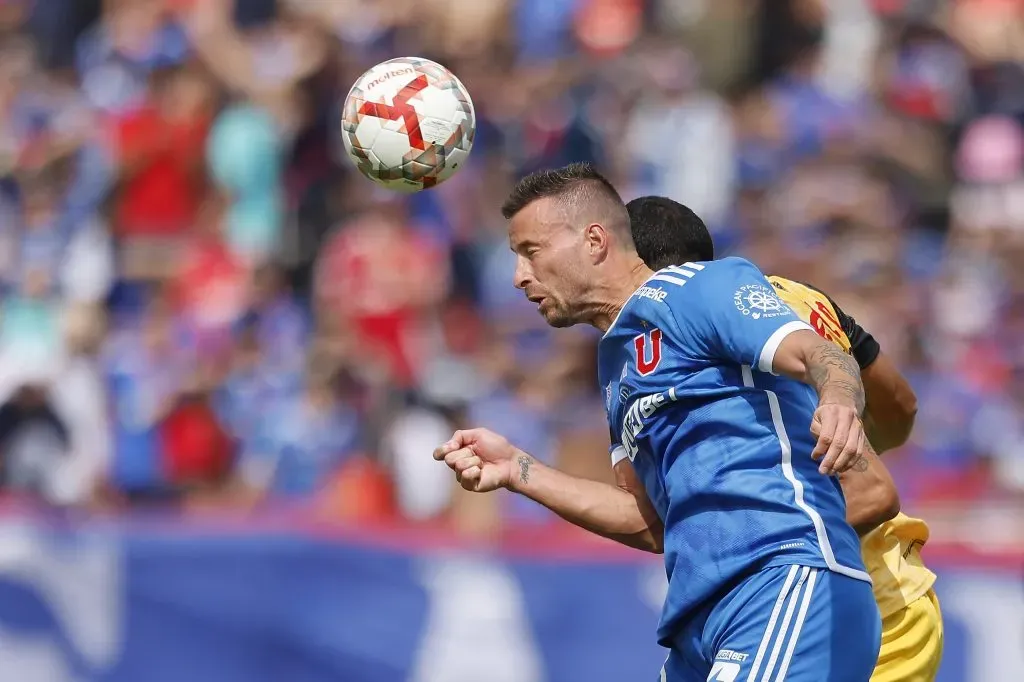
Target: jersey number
648,346
724,672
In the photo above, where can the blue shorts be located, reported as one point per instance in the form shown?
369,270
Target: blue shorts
792,623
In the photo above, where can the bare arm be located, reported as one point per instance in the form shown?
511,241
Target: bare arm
227,53
484,461
624,512
806,357
871,495
891,404
621,512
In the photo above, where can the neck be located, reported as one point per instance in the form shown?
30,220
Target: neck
623,281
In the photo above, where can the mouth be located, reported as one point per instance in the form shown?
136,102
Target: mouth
535,299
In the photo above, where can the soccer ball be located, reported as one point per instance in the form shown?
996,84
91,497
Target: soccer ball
408,124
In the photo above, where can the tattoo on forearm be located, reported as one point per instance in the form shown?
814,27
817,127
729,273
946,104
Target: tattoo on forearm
833,371
524,468
861,464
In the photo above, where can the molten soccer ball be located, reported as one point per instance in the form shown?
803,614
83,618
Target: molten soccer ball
408,124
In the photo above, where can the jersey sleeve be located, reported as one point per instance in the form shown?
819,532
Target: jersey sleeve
617,452
734,314
863,346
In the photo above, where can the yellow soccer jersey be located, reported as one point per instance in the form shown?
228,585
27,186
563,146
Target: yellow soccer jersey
892,552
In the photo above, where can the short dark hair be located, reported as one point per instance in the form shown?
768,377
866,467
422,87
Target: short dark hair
581,180
667,233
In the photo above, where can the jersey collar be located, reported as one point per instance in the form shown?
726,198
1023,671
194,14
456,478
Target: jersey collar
623,308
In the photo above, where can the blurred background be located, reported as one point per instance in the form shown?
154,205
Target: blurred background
225,356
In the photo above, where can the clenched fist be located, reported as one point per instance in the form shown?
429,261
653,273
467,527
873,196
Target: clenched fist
481,459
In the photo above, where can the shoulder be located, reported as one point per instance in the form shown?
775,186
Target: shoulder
708,283
798,294
796,287
675,280
688,286
685,286
730,267
700,275
794,292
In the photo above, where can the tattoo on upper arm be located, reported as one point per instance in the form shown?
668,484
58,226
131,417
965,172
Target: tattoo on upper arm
833,370
524,468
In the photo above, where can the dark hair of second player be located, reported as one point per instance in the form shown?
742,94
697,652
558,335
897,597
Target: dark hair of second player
666,232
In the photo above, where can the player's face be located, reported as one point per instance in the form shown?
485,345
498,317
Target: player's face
549,261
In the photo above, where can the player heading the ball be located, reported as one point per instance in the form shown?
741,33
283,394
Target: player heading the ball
721,403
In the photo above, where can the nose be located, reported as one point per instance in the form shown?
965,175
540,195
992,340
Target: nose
522,275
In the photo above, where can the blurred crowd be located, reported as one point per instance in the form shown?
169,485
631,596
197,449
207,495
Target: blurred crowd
203,304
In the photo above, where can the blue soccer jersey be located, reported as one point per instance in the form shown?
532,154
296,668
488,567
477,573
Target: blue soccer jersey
722,445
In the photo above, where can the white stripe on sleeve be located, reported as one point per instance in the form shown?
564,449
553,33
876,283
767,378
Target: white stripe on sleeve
771,346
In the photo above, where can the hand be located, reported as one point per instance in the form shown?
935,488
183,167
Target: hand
481,459
841,437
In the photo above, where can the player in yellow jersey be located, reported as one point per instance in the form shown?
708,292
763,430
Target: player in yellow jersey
667,233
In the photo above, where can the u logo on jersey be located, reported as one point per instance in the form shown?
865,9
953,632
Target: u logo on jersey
648,351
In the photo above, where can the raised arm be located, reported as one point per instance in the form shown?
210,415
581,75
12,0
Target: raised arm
484,461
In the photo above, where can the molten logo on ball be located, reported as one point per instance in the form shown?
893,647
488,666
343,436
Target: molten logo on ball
389,74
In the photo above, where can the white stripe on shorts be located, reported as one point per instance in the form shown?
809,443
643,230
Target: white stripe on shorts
780,638
797,626
771,623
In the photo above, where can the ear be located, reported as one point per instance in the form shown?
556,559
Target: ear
598,241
